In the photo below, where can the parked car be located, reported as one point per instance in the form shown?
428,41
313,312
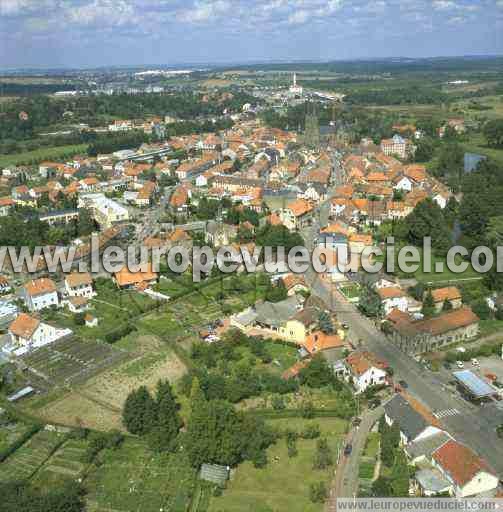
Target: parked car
403,384
348,449
475,362
460,364
374,403
447,365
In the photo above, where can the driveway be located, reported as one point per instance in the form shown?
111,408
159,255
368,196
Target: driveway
345,483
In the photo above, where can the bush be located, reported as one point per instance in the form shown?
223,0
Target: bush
311,432
318,492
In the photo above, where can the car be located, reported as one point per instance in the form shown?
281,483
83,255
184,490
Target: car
460,364
357,422
345,326
374,403
403,384
348,449
447,365
475,362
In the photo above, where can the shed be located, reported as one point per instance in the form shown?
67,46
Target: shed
214,473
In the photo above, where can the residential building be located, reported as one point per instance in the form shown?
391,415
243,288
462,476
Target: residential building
27,332
297,214
392,298
79,284
366,370
40,293
450,294
397,146
104,210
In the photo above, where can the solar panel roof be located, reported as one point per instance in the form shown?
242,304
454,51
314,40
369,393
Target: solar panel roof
477,386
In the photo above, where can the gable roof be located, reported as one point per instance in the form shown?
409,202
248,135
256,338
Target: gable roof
24,326
126,278
40,287
78,279
448,293
411,423
459,462
392,292
318,341
360,362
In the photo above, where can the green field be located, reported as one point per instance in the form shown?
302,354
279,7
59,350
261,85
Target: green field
39,155
284,483
133,479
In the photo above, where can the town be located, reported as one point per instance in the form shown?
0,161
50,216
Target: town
146,390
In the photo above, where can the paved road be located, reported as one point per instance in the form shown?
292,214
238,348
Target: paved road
345,483
474,425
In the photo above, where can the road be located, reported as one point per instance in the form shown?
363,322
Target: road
345,483
474,425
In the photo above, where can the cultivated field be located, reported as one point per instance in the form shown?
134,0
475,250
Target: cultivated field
135,479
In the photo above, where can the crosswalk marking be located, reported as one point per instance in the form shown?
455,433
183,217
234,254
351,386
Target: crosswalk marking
447,412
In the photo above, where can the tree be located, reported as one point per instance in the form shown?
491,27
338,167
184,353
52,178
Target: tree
390,440
139,412
481,309
323,457
276,292
425,150
400,475
370,303
381,487
325,323
317,373
168,422
447,306
318,492
425,220
428,308
493,132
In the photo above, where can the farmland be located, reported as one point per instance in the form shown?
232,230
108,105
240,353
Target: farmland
25,461
39,155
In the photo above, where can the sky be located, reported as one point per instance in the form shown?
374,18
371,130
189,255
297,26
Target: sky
92,33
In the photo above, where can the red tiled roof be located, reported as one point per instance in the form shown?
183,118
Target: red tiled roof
460,462
24,326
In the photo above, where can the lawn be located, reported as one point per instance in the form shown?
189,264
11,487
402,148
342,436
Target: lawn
133,478
284,483
10,433
366,470
372,445
351,291
39,155
436,276
489,327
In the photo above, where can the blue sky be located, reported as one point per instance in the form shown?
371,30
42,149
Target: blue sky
75,33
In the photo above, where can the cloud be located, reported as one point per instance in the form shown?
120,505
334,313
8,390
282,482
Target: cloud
103,12
204,11
21,7
444,5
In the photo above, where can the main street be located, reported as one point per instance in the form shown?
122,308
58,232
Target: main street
474,425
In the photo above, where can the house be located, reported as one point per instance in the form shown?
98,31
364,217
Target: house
366,370
179,201
442,198
450,294
59,216
91,320
79,284
297,215
40,293
413,422
27,332
469,474
392,298
294,283
127,279
4,285
319,341
6,205
77,304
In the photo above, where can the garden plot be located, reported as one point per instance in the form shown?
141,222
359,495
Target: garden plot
25,461
72,360
133,478
66,463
